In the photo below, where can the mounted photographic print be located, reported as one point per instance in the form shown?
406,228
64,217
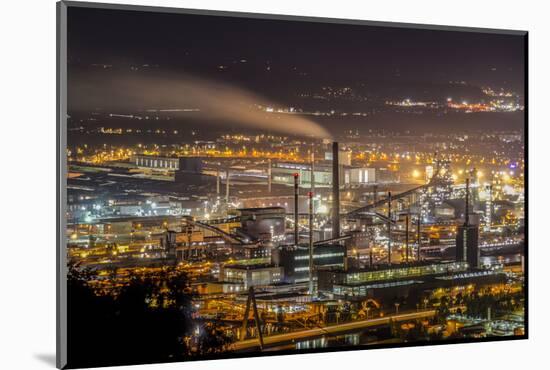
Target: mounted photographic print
237,185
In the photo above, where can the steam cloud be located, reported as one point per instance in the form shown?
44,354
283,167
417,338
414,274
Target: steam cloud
216,101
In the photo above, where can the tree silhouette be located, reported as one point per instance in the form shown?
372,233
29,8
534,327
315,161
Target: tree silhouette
147,320
212,339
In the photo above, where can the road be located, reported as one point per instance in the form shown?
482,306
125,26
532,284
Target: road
333,329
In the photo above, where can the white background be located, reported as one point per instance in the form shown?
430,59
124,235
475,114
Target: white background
27,182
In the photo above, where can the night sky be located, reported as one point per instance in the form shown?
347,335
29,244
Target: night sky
277,59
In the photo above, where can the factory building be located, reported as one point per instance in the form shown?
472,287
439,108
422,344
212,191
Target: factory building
160,163
385,281
260,251
263,223
358,176
283,173
218,287
467,236
295,260
357,279
344,157
467,242
251,275
156,162
184,169
359,239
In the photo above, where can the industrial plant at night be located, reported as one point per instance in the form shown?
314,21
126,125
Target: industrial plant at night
233,200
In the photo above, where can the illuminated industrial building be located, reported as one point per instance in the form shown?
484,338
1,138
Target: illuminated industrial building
263,223
295,260
251,275
152,162
467,236
282,173
467,248
384,280
156,162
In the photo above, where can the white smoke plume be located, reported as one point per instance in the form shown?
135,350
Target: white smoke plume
216,101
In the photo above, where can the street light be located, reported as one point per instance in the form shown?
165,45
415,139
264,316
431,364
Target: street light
396,308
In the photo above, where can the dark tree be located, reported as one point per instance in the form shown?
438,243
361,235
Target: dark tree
148,320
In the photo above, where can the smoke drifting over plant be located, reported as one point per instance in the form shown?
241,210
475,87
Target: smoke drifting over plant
216,101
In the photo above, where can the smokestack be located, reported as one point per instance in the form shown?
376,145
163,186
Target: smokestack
310,196
335,191
296,208
467,209
389,227
269,175
227,185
